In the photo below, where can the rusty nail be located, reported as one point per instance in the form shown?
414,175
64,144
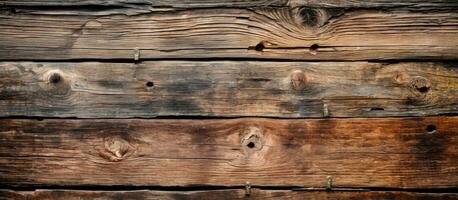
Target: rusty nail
247,188
329,182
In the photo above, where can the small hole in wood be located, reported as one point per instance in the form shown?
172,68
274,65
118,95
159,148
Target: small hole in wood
431,129
377,108
423,89
314,47
149,84
55,78
259,47
251,145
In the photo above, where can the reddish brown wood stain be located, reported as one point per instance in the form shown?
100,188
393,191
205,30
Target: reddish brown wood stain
355,152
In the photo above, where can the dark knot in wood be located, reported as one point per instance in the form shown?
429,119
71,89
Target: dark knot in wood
419,85
55,78
309,16
421,91
314,18
116,149
252,139
56,83
298,80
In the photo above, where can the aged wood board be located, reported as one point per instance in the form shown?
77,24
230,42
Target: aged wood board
415,153
291,30
148,5
299,99
227,89
217,194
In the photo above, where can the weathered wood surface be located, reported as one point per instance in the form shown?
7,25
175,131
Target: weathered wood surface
227,89
148,4
383,152
256,33
216,194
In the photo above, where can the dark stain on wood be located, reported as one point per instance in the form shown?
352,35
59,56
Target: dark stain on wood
411,155
356,152
223,88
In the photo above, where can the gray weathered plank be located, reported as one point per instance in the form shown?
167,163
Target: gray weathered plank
216,194
382,152
258,33
227,89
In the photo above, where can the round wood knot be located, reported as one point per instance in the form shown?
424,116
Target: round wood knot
253,139
298,80
309,17
56,82
55,78
420,86
116,149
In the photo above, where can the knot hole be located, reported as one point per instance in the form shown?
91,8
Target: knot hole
149,84
252,139
309,17
55,78
420,85
116,149
56,83
430,129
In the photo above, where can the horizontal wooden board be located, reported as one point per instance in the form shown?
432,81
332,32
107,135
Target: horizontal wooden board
216,194
227,89
299,33
393,153
148,4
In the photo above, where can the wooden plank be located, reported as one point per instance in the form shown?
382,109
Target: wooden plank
148,4
394,153
216,194
257,33
227,89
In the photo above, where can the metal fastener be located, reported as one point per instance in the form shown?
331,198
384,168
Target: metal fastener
329,182
325,110
247,189
136,54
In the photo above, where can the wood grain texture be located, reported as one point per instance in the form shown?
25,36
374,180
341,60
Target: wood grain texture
393,153
227,89
216,194
148,4
298,33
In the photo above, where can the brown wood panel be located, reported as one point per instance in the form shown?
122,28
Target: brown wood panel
216,194
148,4
383,152
227,89
257,33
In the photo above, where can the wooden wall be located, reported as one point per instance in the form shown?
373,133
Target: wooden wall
228,99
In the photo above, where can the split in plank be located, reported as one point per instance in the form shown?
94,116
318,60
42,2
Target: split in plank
299,33
384,152
227,89
216,194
